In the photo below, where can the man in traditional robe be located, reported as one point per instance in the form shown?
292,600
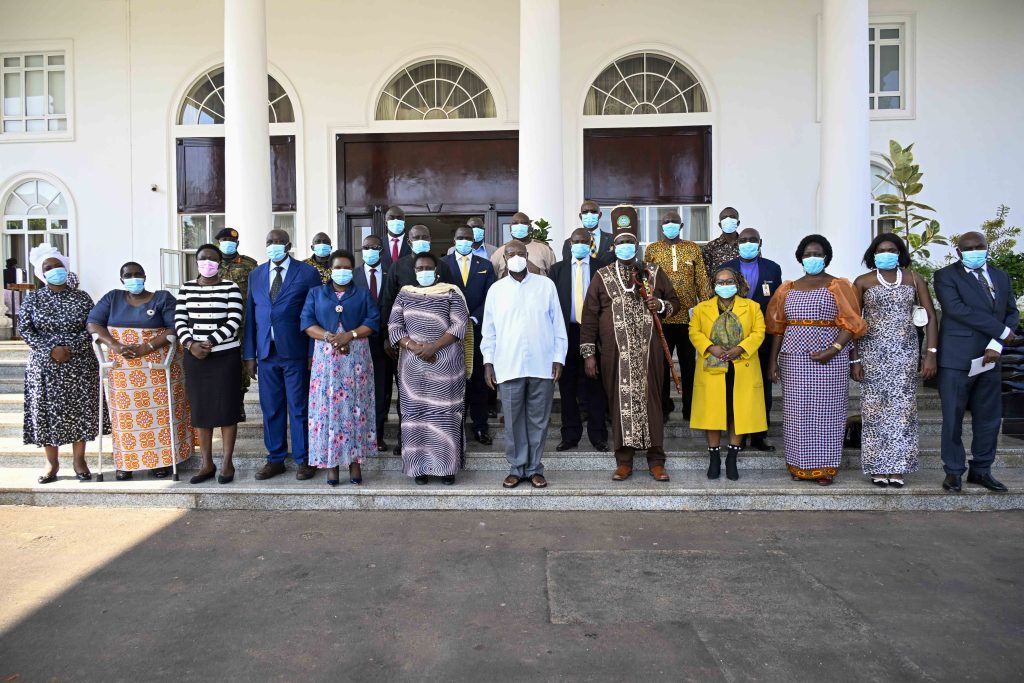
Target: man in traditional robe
618,322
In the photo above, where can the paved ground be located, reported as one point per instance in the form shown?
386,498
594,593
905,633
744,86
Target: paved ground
153,595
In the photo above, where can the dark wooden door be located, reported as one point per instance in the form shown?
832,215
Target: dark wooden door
200,174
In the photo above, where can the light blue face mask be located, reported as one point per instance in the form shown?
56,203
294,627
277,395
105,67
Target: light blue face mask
420,246
725,291
425,278
975,258
580,251
396,226
341,276
371,256
322,250
464,247
276,252
886,260
56,276
748,250
520,230
590,220
813,264
134,285
228,247
671,230
625,251
729,225
478,234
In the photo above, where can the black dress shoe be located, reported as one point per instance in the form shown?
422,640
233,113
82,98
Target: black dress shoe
162,472
952,483
382,446
87,476
449,480
421,479
988,481
398,450
47,478
600,446
566,445
483,437
122,475
201,477
759,444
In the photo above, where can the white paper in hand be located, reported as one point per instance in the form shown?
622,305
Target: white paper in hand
977,368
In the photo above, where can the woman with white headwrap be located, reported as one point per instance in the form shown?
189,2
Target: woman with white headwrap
62,375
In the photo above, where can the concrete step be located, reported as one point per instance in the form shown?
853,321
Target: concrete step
483,491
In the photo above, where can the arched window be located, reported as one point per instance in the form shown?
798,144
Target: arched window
435,89
34,212
203,104
645,83
880,185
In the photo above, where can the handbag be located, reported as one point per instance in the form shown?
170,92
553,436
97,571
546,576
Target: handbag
919,314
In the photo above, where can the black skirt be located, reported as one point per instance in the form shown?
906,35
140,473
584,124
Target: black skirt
214,388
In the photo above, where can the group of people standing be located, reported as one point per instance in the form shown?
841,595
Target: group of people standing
328,338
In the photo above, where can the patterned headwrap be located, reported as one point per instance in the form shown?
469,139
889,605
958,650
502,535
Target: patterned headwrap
38,256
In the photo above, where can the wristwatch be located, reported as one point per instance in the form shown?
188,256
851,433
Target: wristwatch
932,350
355,335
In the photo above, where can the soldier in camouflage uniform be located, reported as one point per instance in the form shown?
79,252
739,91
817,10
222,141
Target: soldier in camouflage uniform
236,267
321,258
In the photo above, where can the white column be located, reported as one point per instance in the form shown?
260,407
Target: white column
540,114
246,121
845,142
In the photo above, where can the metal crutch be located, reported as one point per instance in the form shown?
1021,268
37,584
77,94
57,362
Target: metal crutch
165,365
105,366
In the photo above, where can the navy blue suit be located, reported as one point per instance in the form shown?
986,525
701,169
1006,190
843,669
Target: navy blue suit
481,277
282,359
383,366
971,319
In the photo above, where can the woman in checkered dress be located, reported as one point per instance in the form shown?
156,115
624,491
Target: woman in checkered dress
813,319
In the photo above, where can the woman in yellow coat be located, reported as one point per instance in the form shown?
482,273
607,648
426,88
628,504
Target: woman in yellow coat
728,392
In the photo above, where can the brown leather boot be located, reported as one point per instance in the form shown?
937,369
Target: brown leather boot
658,473
622,473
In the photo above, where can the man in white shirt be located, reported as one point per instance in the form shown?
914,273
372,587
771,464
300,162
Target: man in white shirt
523,311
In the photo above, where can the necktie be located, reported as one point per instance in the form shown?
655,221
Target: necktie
465,270
275,286
373,283
984,284
593,247
578,291
394,249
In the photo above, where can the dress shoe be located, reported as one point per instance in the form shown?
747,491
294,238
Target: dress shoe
448,480
355,474
203,476
986,480
83,476
305,472
600,446
622,473
225,478
758,443
162,472
952,483
658,473
538,481
382,446
47,478
397,450
123,475
566,445
511,481
421,480
271,469
483,437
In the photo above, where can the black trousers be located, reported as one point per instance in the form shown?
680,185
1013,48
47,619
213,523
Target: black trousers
575,385
478,396
678,338
383,382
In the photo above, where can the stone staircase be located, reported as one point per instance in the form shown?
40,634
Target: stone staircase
579,479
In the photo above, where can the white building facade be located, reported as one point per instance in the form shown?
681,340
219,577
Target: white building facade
135,126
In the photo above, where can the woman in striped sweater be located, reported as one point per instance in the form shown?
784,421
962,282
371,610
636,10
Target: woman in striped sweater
207,320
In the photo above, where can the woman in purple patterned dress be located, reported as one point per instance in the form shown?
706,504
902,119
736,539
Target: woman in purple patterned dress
342,424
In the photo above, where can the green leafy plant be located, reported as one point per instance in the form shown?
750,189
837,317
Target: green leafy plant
921,232
1002,239
541,231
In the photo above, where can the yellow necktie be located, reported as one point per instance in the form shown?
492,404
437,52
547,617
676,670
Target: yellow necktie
578,294
465,270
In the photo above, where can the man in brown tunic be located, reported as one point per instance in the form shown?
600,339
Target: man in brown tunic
618,325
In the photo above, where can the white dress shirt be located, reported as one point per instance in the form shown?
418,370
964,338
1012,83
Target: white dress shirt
994,344
527,317
366,271
273,275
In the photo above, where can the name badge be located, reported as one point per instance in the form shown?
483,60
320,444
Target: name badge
339,308
766,289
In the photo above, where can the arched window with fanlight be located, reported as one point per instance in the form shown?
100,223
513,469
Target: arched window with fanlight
434,89
645,83
35,211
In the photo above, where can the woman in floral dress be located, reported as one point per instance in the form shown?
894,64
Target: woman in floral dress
342,422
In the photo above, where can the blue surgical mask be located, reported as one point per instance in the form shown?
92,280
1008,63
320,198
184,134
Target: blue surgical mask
748,250
590,220
625,251
671,230
464,247
371,256
813,264
56,276
341,276
478,234
322,250
729,225
886,260
725,291
975,258
520,230
276,252
228,248
396,226
420,246
425,278
580,251
134,285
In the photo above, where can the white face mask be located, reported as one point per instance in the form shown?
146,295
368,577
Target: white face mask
516,264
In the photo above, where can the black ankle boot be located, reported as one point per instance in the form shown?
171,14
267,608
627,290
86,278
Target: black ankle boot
730,463
715,466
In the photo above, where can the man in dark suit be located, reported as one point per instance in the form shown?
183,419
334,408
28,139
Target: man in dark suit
979,316
395,244
473,275
601,250
572,278
764,276
276,346
371,276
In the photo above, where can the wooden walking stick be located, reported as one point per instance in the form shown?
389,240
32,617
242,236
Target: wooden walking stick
640,280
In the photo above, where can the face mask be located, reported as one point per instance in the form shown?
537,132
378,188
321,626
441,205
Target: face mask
974,259
520,230
580,251
275,252
425,277
228,247
208,268
725,291
56,276
625,251
814,264
420,246
134,285
322,250
371,256
886,261
670,230
748,250
478,234
729,225
590,220
463,247
516,264
341,276
396,226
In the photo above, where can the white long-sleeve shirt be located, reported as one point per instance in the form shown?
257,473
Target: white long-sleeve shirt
523,330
